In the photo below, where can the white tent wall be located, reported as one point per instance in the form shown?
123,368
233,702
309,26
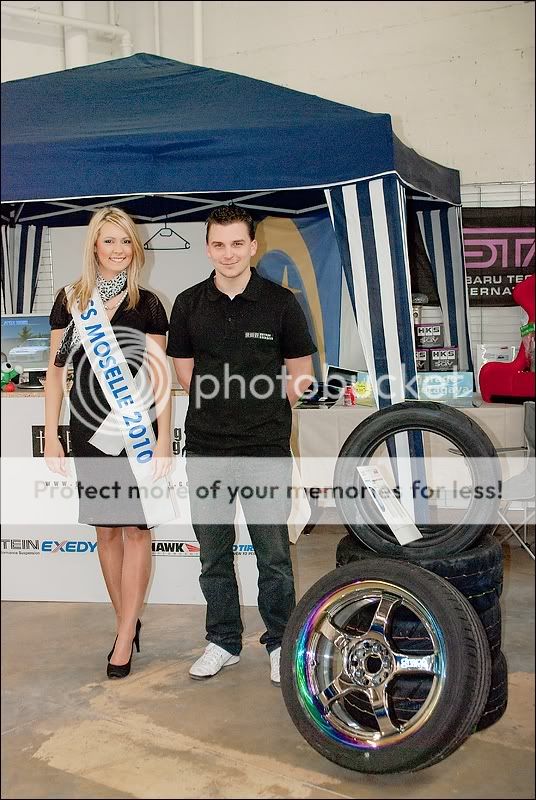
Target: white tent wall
369,220
457,77
167,272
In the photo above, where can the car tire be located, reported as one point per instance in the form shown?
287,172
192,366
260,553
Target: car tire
477,573
361,516
498,694
323,663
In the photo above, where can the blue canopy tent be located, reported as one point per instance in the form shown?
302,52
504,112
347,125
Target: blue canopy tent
167,140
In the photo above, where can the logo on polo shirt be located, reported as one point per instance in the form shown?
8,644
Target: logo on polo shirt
256,335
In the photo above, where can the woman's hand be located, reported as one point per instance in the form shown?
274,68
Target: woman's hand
162,459
55,457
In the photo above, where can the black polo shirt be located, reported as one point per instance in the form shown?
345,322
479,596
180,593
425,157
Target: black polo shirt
238,347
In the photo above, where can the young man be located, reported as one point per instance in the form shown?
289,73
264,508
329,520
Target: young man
231,338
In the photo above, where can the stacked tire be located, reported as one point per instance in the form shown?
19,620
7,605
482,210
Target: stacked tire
477,574
391,661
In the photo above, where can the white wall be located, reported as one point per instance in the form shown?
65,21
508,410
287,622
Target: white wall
35,48
457,77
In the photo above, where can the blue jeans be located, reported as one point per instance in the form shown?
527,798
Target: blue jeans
213,484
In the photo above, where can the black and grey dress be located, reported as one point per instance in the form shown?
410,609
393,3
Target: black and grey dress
106,484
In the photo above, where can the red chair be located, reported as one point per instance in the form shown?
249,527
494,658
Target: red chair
512,382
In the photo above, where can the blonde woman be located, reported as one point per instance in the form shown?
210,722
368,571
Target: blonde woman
107,309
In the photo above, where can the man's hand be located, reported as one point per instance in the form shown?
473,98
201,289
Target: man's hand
299,377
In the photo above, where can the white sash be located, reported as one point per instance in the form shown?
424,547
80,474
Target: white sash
132,420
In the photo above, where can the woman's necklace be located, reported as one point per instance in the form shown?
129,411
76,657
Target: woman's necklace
121,297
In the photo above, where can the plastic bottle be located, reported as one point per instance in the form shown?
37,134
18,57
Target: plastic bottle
349,397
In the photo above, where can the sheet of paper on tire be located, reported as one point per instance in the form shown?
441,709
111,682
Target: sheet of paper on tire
391,509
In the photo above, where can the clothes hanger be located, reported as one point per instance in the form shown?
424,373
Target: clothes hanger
166,239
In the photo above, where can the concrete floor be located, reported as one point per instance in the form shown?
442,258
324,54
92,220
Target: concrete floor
67,731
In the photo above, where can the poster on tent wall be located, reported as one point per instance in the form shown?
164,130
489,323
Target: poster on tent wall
302,255
499,252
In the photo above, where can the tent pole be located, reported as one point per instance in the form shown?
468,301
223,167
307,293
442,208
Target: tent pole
156,27
198,32
75,40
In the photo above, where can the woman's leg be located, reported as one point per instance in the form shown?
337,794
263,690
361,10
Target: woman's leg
110,550
134,582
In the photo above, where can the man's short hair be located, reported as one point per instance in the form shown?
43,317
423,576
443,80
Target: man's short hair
226,215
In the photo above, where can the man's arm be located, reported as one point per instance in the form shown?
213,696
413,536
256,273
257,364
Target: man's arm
299,377
184,368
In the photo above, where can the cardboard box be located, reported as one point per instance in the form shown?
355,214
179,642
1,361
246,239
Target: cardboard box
443,359
429,335
422,359
445,386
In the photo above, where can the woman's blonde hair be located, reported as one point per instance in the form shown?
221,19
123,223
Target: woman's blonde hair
84,286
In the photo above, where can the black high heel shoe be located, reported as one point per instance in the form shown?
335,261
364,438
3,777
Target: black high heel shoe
122,670
136,639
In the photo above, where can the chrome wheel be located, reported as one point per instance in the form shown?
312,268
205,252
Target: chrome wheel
385,667
348,666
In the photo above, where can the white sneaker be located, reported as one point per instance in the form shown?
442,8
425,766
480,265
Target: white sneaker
210,663
275,659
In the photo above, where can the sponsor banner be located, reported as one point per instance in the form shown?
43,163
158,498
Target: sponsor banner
160,547
499,249
391,509
60,563
178,549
